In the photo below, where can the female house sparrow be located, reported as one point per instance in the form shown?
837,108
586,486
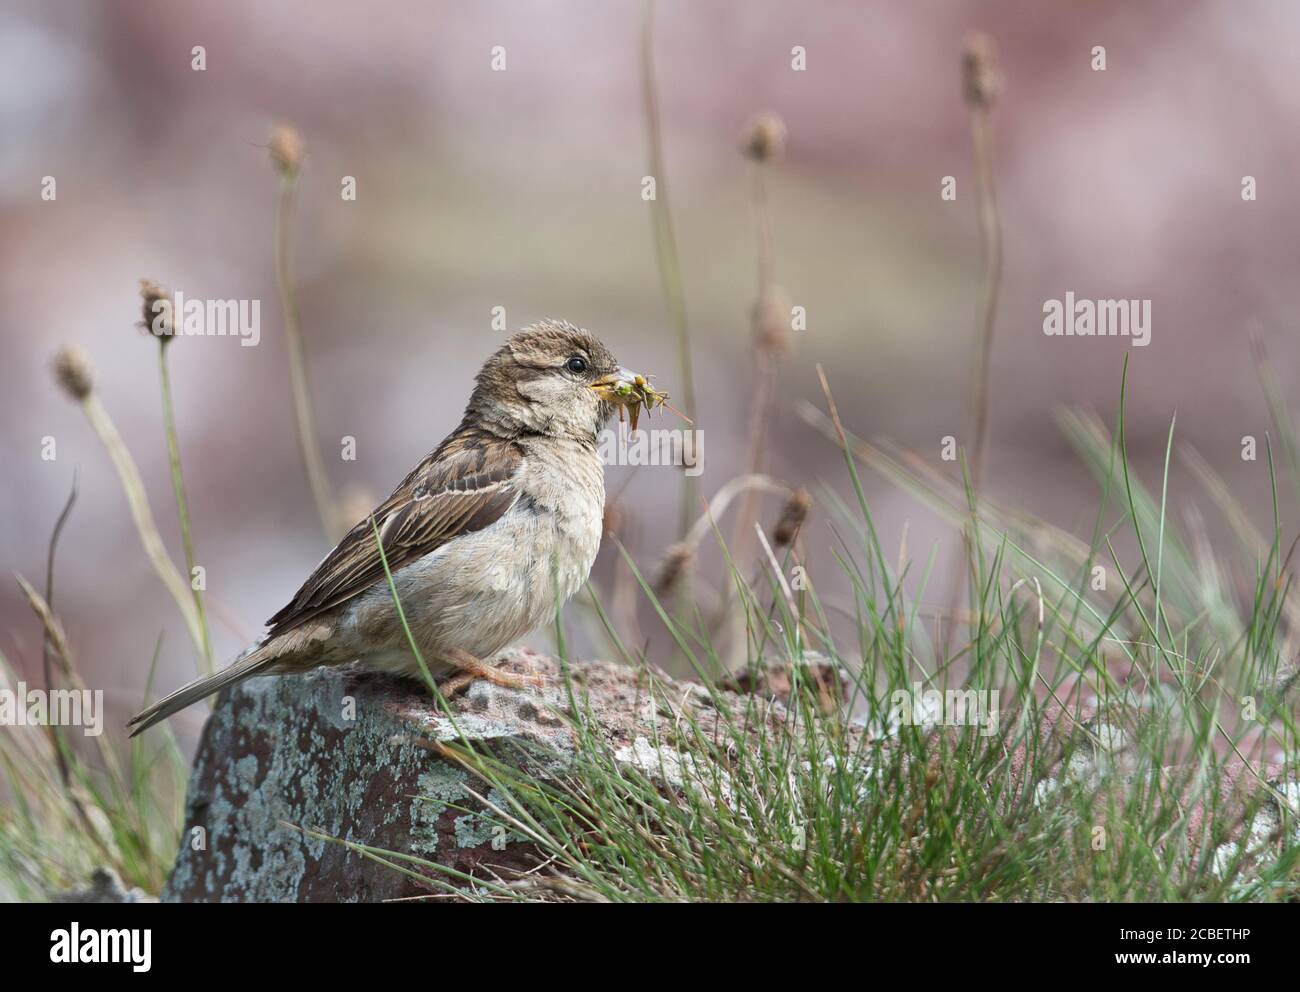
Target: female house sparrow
488,533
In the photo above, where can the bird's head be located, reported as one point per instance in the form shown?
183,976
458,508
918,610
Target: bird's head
551,378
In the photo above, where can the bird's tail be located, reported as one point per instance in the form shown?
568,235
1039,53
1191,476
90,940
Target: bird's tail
255,662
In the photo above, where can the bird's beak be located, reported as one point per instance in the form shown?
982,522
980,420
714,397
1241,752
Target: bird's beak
619,387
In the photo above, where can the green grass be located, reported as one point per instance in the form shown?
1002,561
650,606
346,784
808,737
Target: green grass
807,804
118,805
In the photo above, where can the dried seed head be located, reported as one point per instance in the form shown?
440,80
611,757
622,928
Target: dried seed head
771,320
764,138
286,150
793,515
158,311
677,560
73,373
981,76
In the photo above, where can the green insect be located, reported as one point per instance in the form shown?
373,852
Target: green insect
638,393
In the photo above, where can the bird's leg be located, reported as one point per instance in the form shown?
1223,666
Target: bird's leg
471,668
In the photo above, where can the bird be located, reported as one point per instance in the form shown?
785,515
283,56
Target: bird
493,529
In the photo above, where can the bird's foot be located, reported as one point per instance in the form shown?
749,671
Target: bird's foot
471,668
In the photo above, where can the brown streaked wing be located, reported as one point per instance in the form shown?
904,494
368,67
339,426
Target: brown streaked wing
462,487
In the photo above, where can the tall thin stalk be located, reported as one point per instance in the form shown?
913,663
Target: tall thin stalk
47,642
182,505
983,81
763,142
286,152
159,317
133,486
670,276
72,369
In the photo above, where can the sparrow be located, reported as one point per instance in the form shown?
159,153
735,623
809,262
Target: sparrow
484,539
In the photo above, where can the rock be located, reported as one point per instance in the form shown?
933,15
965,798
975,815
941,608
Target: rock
360,758
674,769
1260,802
1265,804
355,756
834,685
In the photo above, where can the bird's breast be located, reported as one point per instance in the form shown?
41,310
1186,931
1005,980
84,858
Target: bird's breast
563,489
483,590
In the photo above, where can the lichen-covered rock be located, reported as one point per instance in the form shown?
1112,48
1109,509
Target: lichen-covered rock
355,756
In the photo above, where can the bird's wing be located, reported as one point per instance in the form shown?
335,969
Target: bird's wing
463,486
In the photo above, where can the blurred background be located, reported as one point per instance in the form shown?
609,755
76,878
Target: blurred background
522,189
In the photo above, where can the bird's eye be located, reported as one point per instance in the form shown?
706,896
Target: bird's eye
576,365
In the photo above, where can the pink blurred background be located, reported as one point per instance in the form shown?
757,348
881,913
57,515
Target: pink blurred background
521,189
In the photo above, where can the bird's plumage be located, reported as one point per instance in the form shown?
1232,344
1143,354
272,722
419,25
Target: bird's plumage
462,486
494,528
